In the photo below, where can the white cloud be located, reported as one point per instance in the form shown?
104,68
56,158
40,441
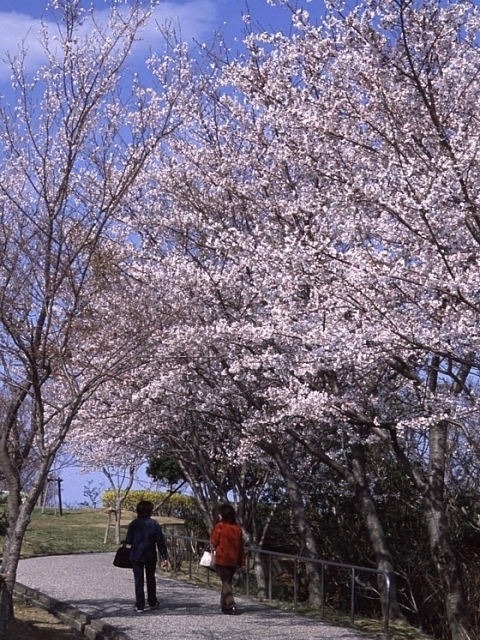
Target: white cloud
197,19
19,31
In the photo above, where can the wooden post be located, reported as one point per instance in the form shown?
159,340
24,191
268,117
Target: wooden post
110,512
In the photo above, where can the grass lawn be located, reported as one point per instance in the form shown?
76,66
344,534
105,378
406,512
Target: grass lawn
77,531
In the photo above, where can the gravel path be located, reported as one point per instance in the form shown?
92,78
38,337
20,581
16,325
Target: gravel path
91,584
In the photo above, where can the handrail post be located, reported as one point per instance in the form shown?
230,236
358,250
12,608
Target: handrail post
270,578
352,596
190,559
295,585
322,586
386,617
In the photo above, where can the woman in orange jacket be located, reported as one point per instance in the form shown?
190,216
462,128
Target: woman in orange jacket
227,541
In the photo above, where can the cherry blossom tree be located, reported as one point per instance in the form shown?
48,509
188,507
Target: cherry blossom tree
231,273
320,211
119,464
74,143
109,435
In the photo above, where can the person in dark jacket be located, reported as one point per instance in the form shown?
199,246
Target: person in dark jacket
145,536
227,541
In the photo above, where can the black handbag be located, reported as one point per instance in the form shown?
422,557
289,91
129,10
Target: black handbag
122,558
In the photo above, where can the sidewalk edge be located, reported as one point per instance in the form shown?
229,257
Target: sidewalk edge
74,618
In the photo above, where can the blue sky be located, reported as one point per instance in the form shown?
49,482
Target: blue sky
197,19
197,16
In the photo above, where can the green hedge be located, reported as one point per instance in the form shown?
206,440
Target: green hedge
175,505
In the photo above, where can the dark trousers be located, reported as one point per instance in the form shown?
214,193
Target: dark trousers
226,574
147,569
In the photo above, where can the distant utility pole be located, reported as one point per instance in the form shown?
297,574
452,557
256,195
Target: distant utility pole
59,481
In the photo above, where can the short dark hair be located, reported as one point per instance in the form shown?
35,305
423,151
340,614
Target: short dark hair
144,509
227,512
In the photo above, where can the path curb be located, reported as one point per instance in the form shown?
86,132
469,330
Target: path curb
74,618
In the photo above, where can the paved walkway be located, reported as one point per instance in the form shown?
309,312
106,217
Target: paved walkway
92,585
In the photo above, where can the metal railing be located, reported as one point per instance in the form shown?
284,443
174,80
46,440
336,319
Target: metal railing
292,569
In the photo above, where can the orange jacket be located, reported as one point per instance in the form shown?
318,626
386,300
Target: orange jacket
227,540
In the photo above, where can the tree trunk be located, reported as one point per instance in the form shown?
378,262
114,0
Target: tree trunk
204,503
258,538
376,533
357,479
439,537
18,517
120,495
307,540
5,607
259,572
